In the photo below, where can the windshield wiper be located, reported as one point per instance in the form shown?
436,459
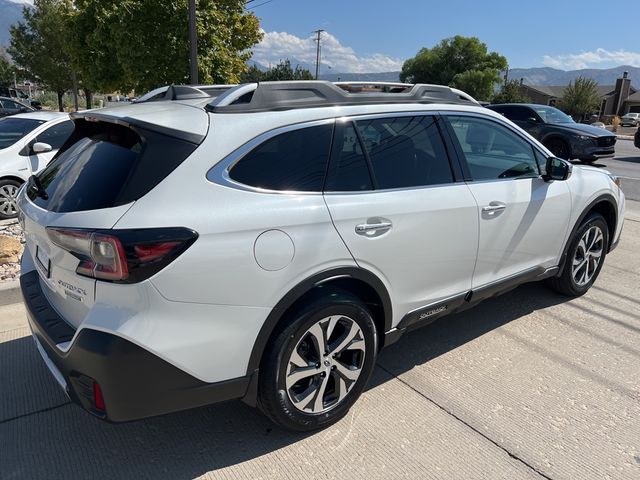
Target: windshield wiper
34,182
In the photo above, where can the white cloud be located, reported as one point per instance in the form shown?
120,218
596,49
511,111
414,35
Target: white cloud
277,46
597,58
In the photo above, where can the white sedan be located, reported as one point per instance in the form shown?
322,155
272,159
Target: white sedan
28,142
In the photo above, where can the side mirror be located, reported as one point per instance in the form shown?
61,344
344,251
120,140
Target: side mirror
557,169
40,147
23,109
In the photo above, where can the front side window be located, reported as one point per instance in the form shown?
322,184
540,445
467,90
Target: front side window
56,135
492,151
292,161
405,151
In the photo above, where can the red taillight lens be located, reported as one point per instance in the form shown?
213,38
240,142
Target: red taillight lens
124,256
98,399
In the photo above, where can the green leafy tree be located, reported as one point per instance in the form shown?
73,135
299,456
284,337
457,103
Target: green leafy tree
253,74
142,44
283,71
6,72
460,62
580,98
38,45
511,92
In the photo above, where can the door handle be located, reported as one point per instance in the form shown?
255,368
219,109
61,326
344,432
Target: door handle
371,229
493,208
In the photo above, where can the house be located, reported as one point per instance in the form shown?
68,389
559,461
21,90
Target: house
617,99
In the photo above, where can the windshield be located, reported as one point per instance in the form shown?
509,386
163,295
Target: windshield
552,115
13,129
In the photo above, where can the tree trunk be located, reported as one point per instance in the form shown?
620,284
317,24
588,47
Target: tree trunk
89,96
60,94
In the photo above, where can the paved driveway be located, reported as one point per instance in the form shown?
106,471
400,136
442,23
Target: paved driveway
528,385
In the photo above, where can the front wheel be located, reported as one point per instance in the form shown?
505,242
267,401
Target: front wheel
585,257
319,363
559,148
8,203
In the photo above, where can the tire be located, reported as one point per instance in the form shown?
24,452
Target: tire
559,148
293,374
8,205
580,270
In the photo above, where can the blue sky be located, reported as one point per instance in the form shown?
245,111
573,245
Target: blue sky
375,35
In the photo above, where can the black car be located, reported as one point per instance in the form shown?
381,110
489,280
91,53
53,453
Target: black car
559,133
8,106
636,139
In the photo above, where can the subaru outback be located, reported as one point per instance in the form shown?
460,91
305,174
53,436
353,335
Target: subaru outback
266,244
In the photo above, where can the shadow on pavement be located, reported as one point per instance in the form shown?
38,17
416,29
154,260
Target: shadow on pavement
43,436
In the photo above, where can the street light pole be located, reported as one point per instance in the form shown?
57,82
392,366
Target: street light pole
193,42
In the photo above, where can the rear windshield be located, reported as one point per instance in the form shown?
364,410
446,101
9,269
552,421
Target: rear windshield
13,129
104,165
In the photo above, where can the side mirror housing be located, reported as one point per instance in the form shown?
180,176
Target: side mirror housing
557,169
41,147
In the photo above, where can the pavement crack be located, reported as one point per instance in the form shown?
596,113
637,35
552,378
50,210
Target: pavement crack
24,415
468,425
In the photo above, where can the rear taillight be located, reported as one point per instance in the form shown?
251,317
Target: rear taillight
123,256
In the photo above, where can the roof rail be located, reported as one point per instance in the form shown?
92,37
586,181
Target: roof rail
183,92
275,96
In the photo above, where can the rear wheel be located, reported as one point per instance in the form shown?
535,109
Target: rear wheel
559,148
319,363
585,257
8,203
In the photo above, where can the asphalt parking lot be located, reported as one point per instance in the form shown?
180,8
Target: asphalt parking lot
527,385
625,164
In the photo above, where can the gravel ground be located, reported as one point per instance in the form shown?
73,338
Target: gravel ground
10,271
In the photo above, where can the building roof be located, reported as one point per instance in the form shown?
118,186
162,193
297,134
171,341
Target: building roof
634,98
558,90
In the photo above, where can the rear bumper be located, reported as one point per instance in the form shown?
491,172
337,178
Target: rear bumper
134,382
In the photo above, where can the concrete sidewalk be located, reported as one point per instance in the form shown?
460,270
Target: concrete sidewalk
528,385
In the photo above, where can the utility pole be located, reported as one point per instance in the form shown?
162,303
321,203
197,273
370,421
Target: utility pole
318,37
193,42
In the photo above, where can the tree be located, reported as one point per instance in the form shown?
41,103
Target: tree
580,98
511,92
38,45
461,62
6,72
281,72
142,44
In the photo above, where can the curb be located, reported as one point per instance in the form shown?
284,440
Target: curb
10,292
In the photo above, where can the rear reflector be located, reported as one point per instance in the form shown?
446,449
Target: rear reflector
98,399
123,256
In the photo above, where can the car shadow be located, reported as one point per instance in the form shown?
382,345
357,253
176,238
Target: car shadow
44,436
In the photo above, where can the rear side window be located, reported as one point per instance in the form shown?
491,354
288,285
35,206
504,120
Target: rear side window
349,171
104,165
56,135
13,129
405,151
292,161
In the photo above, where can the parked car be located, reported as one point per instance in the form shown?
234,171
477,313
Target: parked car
268,245
559,133
27,143
631,119
20,97
9,106
636,138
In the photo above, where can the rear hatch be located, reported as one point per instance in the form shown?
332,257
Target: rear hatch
114,157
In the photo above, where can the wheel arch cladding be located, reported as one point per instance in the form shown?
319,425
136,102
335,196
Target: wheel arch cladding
605,205
359,282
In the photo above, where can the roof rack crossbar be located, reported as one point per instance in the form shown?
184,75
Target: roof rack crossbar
274,96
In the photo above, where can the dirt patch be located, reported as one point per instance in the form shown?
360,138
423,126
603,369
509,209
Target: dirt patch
11,249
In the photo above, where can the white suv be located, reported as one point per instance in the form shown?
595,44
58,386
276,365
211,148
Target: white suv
268,245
